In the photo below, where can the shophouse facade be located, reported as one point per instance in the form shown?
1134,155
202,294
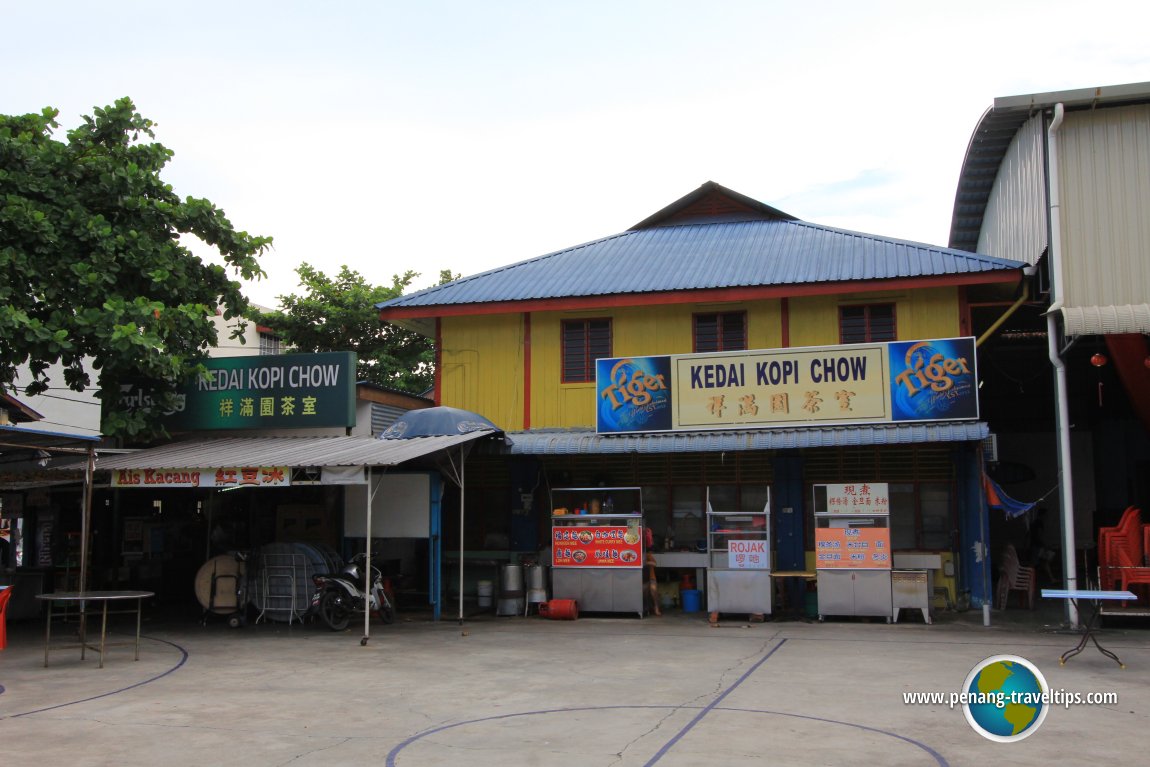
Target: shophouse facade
713,272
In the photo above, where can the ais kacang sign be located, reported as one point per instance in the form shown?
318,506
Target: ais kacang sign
897,381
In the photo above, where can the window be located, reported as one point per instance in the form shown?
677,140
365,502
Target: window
584,341
862,324
921,516
723,332
269,343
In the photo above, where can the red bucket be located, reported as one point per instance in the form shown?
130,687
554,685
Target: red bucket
559,609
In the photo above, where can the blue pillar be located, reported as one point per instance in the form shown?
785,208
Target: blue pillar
435,546
788,510
973,528
523,526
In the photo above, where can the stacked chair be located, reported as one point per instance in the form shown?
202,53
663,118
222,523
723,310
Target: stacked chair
1014,576
1122,552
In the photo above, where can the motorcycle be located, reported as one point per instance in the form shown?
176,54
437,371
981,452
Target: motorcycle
339,596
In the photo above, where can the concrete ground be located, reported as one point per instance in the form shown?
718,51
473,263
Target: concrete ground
604,690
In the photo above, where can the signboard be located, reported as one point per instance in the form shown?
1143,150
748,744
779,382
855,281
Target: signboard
852,548
601,546
231,476
284,391
859,498
898,381
747,555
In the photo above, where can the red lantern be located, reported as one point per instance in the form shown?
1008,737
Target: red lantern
1098,360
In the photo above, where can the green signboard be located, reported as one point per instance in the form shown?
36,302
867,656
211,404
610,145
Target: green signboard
283,391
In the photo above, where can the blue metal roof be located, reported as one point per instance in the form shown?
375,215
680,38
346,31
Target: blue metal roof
572,441
727,254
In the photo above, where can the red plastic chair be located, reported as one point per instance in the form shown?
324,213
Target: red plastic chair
5,595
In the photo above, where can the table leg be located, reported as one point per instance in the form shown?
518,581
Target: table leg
48,634
139,610
103,632
83,628
1089,635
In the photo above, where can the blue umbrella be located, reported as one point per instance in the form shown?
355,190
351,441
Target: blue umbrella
437,422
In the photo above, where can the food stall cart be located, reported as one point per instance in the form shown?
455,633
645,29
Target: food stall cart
852,549
597,548
739,570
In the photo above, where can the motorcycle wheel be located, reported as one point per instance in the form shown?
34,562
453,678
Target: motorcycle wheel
386,612
334,611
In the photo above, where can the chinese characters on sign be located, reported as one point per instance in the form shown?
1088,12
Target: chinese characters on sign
852,547
238,476
610,546
847,384
276,391
747,555
859,498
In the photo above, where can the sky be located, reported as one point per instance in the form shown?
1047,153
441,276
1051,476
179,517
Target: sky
395,136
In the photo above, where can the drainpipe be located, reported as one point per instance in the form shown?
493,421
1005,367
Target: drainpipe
1061,405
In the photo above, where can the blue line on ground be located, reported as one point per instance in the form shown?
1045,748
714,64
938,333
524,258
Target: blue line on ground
710,706
183,660
393,755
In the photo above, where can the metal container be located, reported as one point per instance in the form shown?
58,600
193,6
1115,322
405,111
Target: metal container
511,594
536,576
511,582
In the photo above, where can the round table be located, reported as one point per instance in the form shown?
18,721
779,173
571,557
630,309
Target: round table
101,599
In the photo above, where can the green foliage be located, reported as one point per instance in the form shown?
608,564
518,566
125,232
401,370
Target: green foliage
339,315
92,271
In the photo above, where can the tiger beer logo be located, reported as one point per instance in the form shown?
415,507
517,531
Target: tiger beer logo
936,374
634,389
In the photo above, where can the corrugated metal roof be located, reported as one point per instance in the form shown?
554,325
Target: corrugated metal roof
563,442
285,451
730,254
995,132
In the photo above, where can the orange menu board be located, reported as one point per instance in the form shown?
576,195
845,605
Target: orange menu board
852,548
601,546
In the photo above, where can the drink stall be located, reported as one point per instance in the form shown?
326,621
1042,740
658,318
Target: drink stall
597,548
852,549
739,570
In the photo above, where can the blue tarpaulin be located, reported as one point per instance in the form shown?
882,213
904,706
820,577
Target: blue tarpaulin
996,498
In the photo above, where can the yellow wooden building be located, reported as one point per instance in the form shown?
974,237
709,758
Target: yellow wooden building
713,272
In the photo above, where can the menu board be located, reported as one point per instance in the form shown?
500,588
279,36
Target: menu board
852,548
856,498
598,546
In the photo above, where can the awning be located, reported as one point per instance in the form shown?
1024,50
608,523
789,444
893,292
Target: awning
1106,320
285,451
562,442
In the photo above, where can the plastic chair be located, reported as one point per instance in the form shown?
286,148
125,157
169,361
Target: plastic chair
5,595
1013,576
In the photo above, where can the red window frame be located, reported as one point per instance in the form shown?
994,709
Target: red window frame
724,336
859,325
581,343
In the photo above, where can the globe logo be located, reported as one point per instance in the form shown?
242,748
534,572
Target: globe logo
1005,698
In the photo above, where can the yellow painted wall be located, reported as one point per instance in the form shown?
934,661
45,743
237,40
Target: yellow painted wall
483,356
925,313
482,366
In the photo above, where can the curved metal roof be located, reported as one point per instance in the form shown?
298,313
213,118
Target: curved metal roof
727,254
995,132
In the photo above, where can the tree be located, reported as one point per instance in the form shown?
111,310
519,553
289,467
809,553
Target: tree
93,274
339,315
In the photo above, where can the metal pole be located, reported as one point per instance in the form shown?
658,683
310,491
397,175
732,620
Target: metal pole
367,565
462,462
86,517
